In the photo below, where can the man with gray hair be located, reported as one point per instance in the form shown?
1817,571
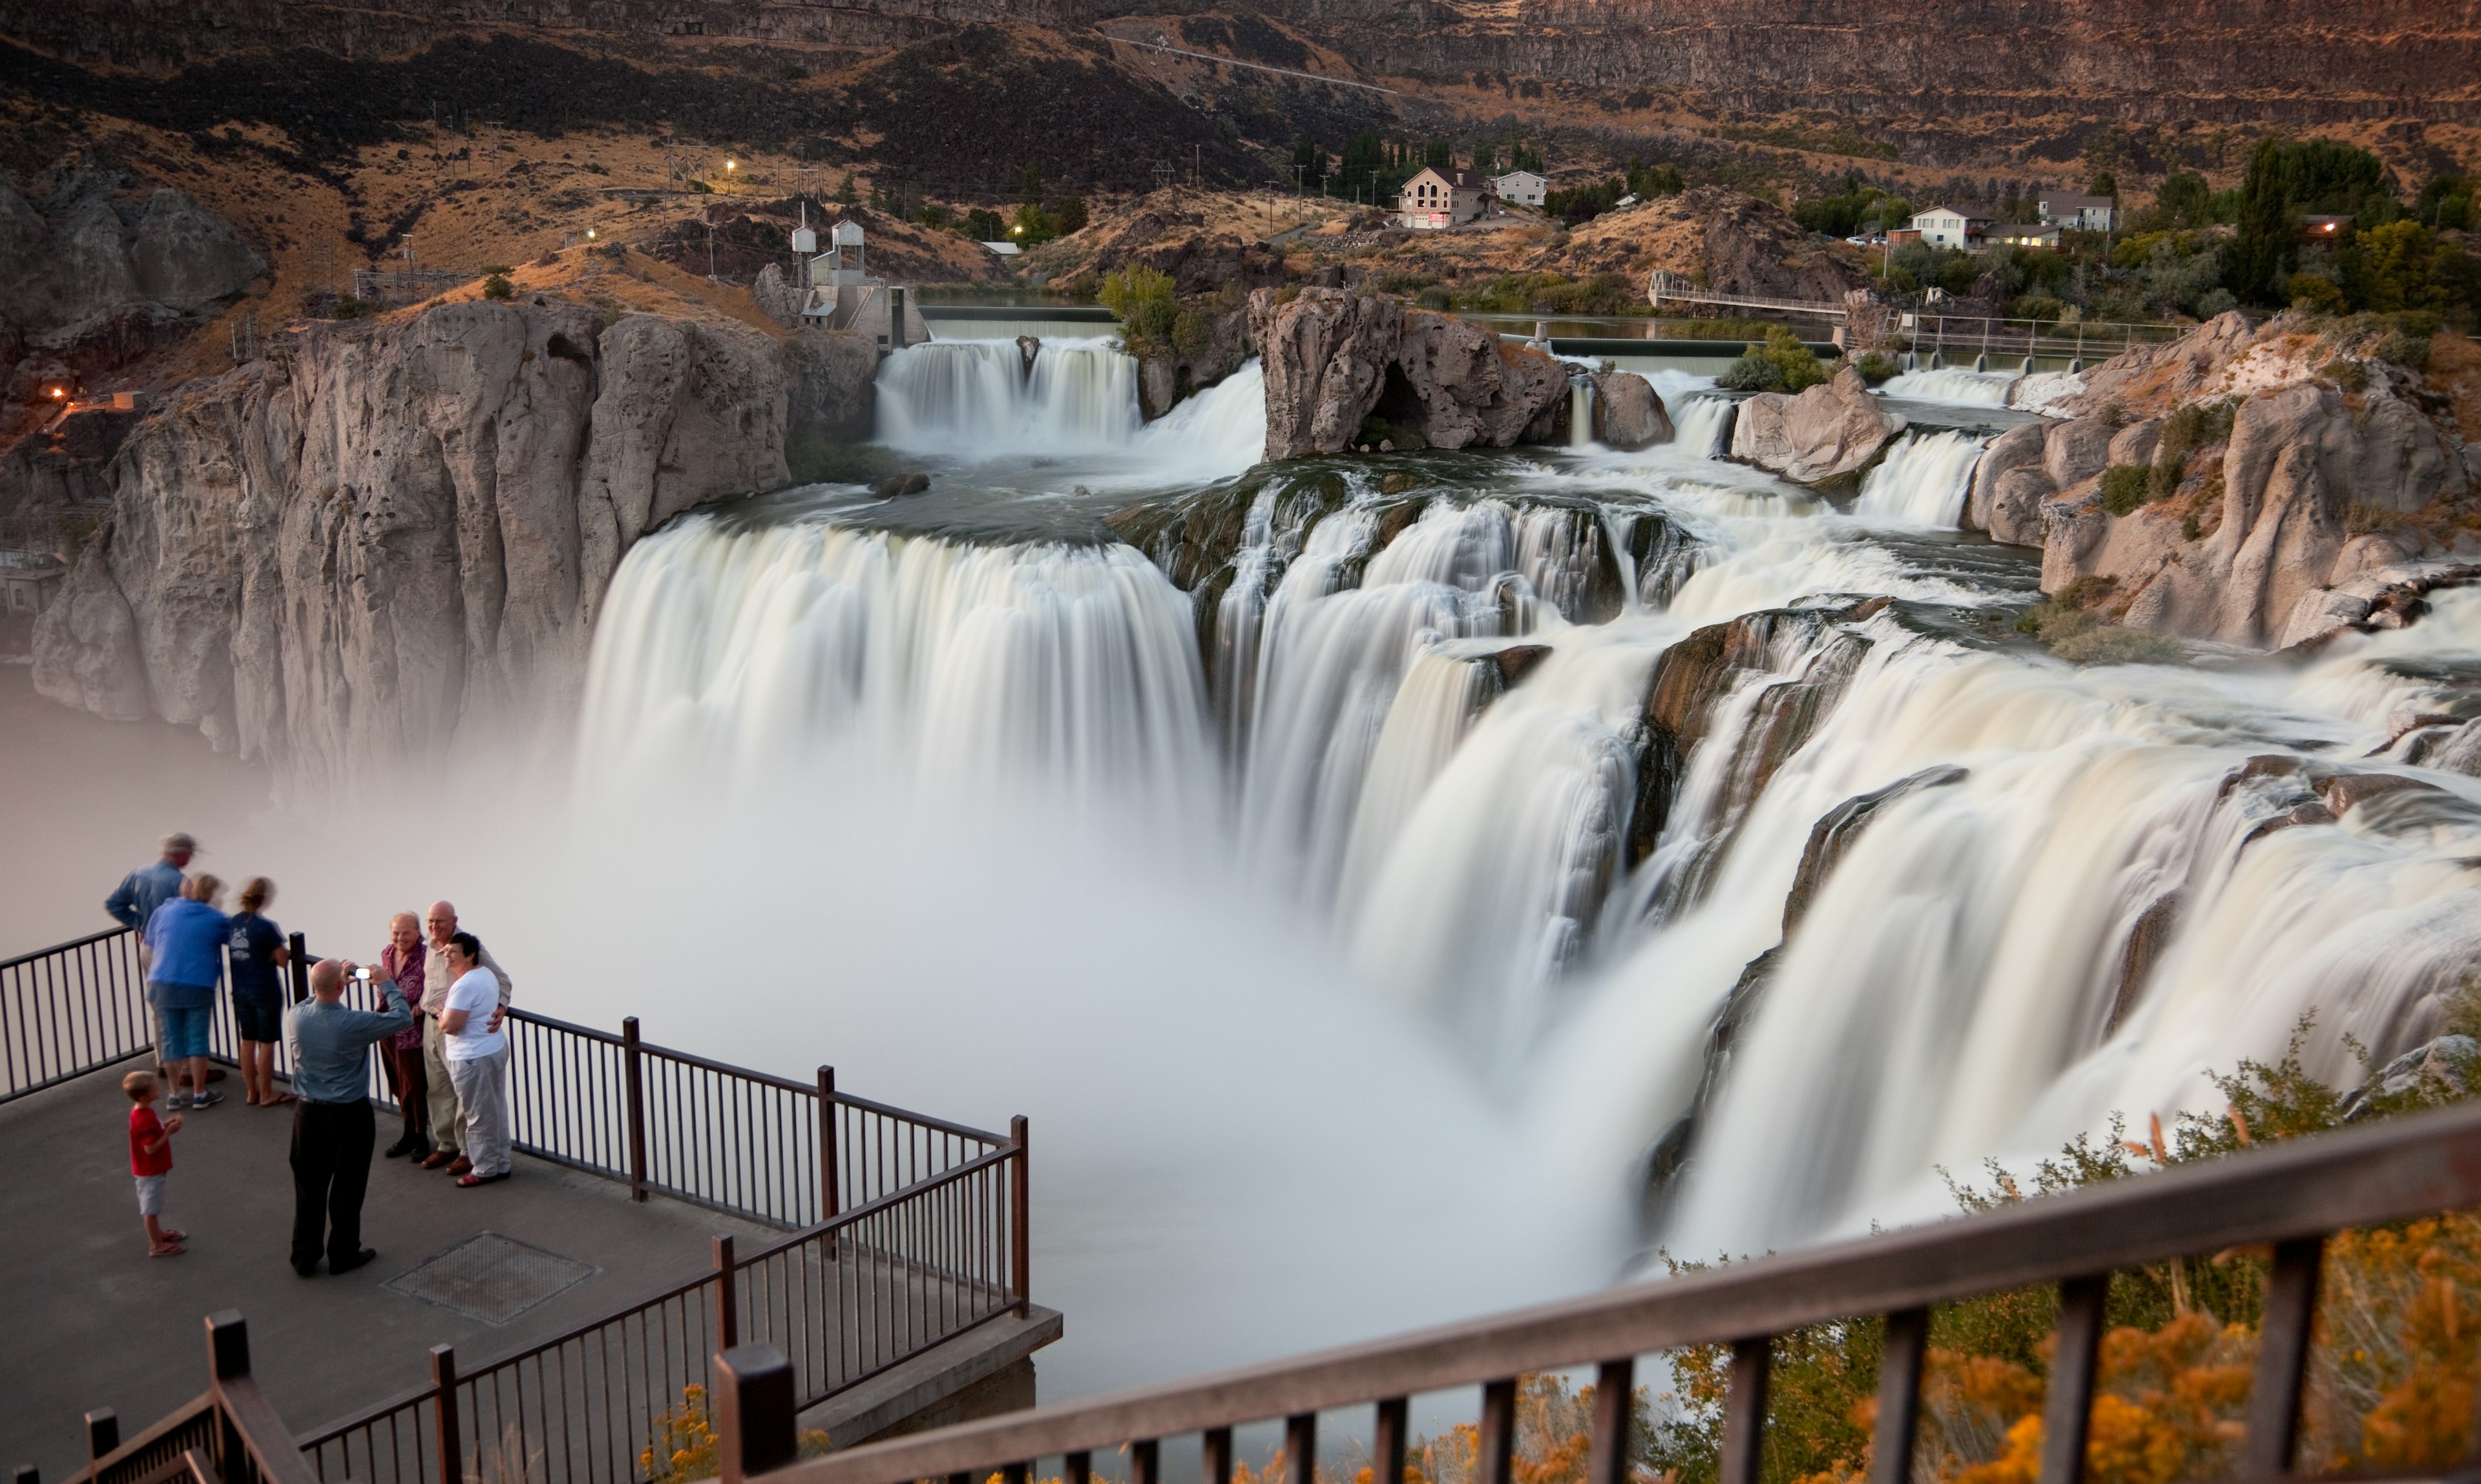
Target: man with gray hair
135,900
334,1127
446,1118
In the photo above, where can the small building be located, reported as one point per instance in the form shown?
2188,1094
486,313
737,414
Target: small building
2324,228
1960,227
2080,213
1437,198
843,297
2023,234
29,581
1524,188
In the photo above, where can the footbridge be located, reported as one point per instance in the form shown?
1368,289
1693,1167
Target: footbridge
1928,338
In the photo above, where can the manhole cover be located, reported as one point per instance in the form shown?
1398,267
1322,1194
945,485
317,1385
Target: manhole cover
490,1278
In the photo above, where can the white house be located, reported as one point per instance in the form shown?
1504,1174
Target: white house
2080,213
1438,198
1951,226
1523,187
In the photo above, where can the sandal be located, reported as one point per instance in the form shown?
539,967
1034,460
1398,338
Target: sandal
278,1100
170,1250
175,1239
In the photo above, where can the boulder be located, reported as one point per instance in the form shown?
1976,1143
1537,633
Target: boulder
188,257
1324,355
2075,452
1459,385
89,264
2134,444
1828,432
1628,413
2014,512
777,296
2017,448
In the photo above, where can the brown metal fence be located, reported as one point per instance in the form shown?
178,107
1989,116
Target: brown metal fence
231,1435
2291,1196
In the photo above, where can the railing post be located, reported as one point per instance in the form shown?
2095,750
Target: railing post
2067,1412
1145,1461
102,1432
227,1345
830,1177
1608,1462
1744,1411
450,1447
1900,1397
1387,1441
2283,1356
297,954
753,1412
1215,1459
26,1474
1300,1448
727,1299
634,1072
1020,1218
1495,1451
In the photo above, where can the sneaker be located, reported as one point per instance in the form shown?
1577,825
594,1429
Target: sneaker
177,1102
207,1098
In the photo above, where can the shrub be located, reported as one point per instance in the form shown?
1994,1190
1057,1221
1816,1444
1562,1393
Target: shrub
497,287
2126,487
1783,364
2349,375
348,307
2314,293
1434,298
1148,309
2404,349
2198,425
2216,301
1875,367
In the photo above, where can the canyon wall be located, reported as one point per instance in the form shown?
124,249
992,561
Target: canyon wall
2204,60
385,538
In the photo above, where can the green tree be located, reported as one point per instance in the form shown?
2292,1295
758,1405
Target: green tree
1485,159
1031,193
2399,269
849,193
1149,310
2184,200
1069,215
1439,155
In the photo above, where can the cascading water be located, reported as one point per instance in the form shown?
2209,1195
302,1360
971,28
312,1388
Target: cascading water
1541,745
1923,480
1952,383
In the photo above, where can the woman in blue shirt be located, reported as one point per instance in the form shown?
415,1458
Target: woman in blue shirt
258,949
185,944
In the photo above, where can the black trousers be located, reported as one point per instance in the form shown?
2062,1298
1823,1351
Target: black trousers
332,1169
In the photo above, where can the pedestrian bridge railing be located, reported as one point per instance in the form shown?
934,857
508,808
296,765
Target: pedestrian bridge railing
2291,1196
905,1230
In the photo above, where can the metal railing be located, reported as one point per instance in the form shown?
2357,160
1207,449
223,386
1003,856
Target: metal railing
909,1231
845,1301
230,1435
772,1150
2291,1195
68,1010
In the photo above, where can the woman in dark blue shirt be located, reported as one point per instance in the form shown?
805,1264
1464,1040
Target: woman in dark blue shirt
256,947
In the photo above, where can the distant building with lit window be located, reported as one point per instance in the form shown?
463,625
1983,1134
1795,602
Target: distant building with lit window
1438,198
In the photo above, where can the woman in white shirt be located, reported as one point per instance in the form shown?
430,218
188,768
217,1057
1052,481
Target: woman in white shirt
478,1061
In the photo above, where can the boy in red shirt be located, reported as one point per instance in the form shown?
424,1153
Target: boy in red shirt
151,1160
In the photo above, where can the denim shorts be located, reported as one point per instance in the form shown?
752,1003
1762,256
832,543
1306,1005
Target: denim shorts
185,1032
258,1017
150,1194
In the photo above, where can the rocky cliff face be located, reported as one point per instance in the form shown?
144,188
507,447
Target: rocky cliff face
386,537
2256,485
1333,357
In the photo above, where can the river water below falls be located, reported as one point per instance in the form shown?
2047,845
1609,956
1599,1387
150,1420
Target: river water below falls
1407,734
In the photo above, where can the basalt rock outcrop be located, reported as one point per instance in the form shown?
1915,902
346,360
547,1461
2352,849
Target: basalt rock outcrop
1822,436
2274,484
387,536
1628,413
1332,357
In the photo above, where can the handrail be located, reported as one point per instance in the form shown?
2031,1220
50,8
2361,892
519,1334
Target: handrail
91,939
2291,1194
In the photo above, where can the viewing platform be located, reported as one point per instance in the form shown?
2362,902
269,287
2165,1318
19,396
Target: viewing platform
565,1312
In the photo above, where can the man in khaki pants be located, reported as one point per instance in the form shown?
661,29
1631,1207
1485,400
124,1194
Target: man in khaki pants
441,924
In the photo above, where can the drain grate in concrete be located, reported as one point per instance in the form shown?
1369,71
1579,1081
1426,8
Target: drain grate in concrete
490,1278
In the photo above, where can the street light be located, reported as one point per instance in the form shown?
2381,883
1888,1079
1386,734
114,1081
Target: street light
731,164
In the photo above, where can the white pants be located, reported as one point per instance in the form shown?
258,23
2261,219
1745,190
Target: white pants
483,1110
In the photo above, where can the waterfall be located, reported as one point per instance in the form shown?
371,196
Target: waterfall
1220,430
1952,383
1580,413
975,396
966,666
1702,426
1922,481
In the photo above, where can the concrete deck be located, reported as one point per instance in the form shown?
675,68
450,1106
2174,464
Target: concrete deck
93,1322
